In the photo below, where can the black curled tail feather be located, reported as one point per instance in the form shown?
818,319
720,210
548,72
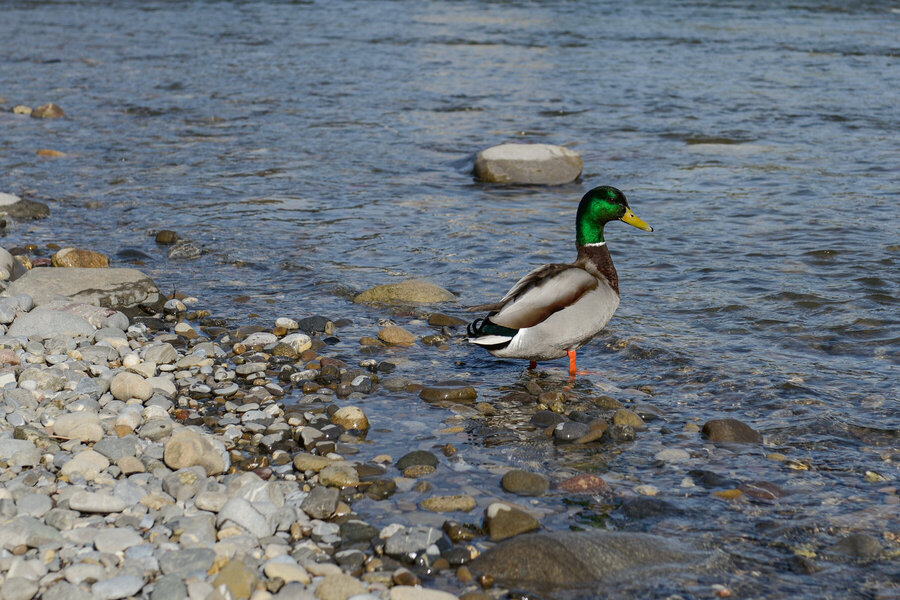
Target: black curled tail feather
473,329
485,326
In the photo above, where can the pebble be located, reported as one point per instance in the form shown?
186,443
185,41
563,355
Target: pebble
351,417
462,394
730,430
188,448
396,335
48,111
672,455
504,521
524,483
459,502
121,586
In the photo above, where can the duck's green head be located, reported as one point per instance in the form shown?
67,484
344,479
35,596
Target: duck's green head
598,207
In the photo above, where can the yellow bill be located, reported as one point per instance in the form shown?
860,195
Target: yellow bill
630,218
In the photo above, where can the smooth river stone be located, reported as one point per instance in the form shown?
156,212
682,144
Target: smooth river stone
411,291
96,502
351,417
84,426
459,502
339,586
188,448
396,335
529,164
505,520
121,586
44,323
288,571
730,430
547,562
117,539
89,464
126,385
462,394
524,483
410,592
111,288
79,257
339,475
241,512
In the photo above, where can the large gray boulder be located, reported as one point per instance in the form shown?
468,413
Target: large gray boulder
528,163
111,288
546,562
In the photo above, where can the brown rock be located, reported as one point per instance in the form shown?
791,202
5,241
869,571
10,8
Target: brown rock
442,320
503,521
464,394
406,292
188,448
166,236
48,111
238,578
393,334
459,502
584,484
77,257
730,430
350,417
47,153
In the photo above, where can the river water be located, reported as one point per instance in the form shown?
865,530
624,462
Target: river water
314,149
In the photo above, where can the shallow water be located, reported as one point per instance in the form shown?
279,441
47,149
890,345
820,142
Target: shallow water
316,149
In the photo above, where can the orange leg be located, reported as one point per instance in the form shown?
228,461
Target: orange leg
572,369
532,365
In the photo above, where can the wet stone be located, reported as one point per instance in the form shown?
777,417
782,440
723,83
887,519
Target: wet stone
730,430
858,545
524,483
672,455
546,418
710,480
644,507
314,324
321,502
460,502
504,521
584,484
619,434
461,394
355,531
623,416
569,431
381,489
417,458
410,541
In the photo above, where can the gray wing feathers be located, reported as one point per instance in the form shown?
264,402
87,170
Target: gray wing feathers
541,293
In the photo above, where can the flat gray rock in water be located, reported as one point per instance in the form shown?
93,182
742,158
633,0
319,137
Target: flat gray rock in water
528,163
565,559
110,288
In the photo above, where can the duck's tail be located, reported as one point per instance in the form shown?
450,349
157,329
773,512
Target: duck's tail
488,334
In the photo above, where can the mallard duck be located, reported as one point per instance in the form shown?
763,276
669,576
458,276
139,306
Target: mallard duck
556,309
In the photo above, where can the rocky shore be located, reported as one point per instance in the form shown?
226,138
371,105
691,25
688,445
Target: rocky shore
151,450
